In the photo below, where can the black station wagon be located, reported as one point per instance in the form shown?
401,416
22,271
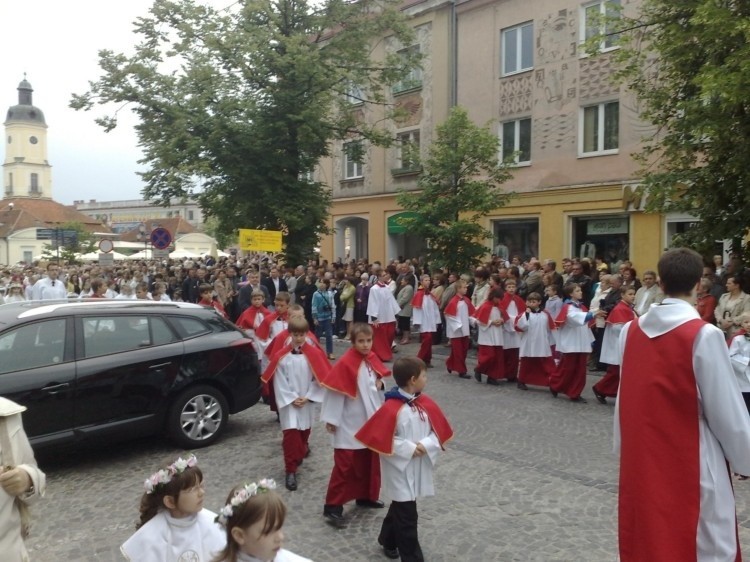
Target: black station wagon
124,368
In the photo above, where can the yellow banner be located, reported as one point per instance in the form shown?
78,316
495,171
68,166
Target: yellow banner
260,240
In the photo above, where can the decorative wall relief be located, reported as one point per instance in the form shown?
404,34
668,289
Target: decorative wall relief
515,95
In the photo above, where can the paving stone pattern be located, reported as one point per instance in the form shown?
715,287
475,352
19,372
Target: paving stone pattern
527,478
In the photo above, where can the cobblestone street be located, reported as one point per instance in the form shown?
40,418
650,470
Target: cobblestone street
527,478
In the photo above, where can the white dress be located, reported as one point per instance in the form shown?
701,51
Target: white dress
196,538
404,476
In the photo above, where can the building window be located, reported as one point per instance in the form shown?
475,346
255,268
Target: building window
10,181
515,238
604,237
354,94
353,157
190,215
515,141
599,21
34,183
600,129
518,48
408,151
413,80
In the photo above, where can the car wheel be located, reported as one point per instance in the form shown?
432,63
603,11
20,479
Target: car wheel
198,416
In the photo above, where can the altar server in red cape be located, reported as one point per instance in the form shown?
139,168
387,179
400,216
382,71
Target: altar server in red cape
536,346
296,372
457,313
490,318
680,424
408,432
426,315
382,309
284,338
251,319
621,314
352,397
513,306
574,343
272,325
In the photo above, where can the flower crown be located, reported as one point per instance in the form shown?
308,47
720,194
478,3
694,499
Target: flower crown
242,495
164,476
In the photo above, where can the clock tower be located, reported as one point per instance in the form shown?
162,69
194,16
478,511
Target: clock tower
26,171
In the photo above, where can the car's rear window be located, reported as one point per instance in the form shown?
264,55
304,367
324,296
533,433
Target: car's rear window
103,335
191,326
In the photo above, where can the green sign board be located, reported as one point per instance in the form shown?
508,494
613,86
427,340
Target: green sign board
394,222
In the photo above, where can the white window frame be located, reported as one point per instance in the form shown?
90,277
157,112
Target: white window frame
603,48
516,141
412,137
357,167
354,94
600,151
519,49
413,80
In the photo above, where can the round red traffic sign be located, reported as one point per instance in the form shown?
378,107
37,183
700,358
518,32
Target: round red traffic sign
161,238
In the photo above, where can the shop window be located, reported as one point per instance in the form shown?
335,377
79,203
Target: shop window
605,237
515,238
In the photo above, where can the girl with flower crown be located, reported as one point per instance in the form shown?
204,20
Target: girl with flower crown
253,518
174,527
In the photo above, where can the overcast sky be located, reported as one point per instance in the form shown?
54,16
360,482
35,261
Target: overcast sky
56,44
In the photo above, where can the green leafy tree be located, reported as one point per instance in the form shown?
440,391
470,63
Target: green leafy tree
460,184
83,243
236,106
688,64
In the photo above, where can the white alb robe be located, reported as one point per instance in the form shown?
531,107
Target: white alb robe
350,414
724,426
406,477
281,556
512,338
458,326
739,353
537,336
294,379
382,305
610,352
489,334
195,538
428,316
574,336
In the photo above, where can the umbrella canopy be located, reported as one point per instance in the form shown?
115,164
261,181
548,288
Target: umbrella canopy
142,255
94,256
178,254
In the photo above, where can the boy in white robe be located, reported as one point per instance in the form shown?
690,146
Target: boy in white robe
295,372
536,363
426,315
457,329
408,432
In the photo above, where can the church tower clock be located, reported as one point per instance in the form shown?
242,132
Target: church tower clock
26,171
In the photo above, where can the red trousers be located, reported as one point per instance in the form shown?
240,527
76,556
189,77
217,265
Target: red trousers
609,383
355,476
457,359
510,355
425,350
294,445
570,375
491,361
382,340
536,370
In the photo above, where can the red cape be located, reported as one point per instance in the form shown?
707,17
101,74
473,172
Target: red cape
264,330
377,432
482,314
416,302
621,314
315,356
452,308
507,298
563,315
343,375
278,342
247,318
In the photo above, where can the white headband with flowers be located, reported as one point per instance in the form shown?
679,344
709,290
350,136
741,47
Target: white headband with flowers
242,495
164,476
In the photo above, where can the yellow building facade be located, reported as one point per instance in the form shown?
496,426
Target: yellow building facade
567,127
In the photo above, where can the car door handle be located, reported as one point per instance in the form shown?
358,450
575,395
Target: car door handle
160,365
55,388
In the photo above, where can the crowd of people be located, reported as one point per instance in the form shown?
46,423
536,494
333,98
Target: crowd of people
531,325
